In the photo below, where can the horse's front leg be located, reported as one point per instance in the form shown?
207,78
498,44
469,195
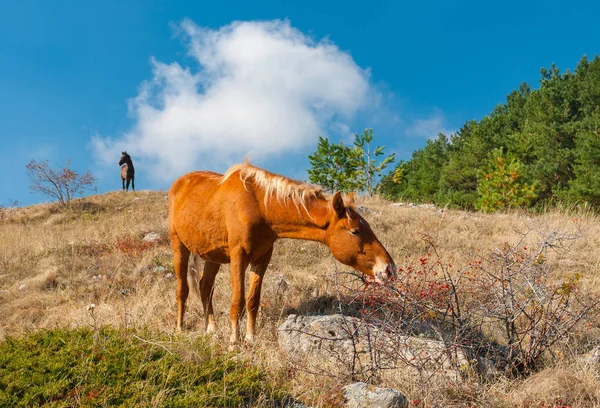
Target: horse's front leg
239,263
123,181
207,282
257,271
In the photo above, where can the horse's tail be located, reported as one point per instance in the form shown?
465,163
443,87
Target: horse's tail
195,267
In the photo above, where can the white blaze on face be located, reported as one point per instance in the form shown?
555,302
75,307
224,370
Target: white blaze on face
381,270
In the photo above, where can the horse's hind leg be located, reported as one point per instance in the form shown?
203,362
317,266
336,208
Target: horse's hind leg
133,183
257,272
128,180
239,263
180,261
206,293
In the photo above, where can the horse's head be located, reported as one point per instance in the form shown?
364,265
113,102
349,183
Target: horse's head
352,242
124,158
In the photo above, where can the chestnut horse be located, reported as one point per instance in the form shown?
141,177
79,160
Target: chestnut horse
127,171
236,218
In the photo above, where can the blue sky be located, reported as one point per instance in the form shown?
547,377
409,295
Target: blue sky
198,85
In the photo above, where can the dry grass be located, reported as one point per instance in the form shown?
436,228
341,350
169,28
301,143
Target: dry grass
55,263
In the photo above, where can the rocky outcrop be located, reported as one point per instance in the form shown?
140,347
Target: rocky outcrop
355,345
361,395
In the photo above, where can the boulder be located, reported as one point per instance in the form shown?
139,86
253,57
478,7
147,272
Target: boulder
352,342
361,395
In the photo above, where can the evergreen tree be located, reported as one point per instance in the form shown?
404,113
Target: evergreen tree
458,175
552,113
586,184
419,178
500,185
550,134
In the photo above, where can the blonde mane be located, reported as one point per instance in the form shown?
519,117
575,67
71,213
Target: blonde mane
283,188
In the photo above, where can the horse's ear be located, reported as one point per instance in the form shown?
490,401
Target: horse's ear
337,205
350,200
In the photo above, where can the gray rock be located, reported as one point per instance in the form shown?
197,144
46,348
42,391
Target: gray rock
428,206
351,342
323,335
361,395
151,237
595,356
413,205
592,358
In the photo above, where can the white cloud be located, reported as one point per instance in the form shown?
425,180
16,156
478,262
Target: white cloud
261,88
430,127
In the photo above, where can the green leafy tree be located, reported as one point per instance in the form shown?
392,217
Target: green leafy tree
500,185
365,161
331,167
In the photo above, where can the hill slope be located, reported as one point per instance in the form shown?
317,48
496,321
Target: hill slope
89,266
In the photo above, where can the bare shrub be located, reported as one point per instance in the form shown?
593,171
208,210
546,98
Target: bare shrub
5,210
501,314
534,311
59,184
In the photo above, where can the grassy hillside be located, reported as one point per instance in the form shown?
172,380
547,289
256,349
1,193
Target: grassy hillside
88,268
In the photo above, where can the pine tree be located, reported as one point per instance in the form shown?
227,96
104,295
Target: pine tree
500,185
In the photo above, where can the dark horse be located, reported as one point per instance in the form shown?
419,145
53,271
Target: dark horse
127,171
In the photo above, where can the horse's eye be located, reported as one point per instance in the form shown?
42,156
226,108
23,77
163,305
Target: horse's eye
355,231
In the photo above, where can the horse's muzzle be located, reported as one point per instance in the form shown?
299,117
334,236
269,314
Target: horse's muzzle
389,273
